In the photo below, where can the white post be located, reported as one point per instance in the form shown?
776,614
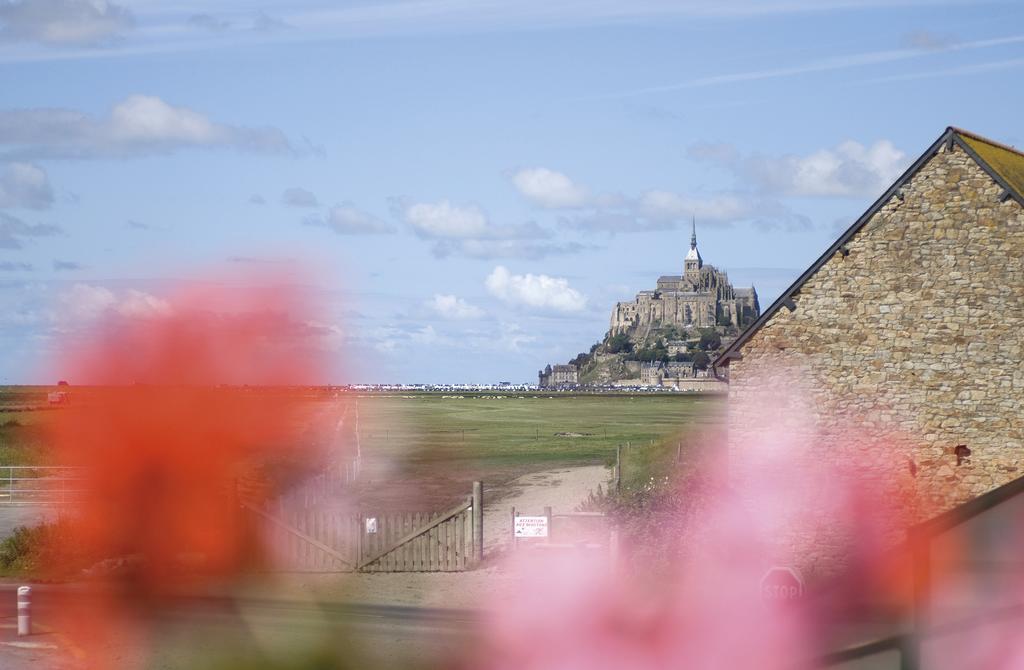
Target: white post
513,529
478,521
613,549
24,610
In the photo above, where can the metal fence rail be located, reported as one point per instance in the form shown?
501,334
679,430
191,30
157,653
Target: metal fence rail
40,485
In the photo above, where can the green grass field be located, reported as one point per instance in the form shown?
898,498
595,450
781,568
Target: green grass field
22,427
441,441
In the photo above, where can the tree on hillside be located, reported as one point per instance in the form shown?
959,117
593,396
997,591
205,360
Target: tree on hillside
710,339
618,344
671,333
581,360
657,352
701,360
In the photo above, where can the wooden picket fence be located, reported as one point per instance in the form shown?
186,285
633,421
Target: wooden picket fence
321,540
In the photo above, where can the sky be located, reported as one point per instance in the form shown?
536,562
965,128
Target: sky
465,187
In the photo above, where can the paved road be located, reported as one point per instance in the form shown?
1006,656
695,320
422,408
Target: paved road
203,628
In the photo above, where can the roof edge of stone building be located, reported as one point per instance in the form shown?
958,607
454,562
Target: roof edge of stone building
969,509
1004,163
951,136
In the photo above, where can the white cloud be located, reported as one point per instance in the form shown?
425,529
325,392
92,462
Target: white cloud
208,22
346,219
465,230
664,210
84,303
537,291
667,205
849,169
25,185
67,266
652,210
490,249
147,118
264,23
445,220
427,335
13,231
548,188
63,22
135,224
390,339
327,336
453,307
511,337
138,125
299,197
137,304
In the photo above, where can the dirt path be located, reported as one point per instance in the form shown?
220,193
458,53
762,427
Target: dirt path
563,490
385,642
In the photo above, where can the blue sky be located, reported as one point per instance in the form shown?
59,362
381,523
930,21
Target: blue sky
470,185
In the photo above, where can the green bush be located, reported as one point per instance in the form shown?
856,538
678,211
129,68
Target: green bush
16,549
619,344
581,360
710,339
657,352
701,360
28,548
46,549
657,520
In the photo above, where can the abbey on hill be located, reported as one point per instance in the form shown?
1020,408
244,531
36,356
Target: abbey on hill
701,297
666,335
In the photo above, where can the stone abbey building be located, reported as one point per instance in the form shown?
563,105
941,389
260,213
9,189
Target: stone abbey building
899,353
701,297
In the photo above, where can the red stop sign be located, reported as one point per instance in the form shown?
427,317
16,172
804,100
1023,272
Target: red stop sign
781,584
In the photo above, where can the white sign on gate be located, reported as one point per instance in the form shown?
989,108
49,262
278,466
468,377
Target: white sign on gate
371,524
531,526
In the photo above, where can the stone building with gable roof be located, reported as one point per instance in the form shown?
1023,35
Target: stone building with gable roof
908,331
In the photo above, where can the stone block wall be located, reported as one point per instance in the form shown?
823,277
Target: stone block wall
897,352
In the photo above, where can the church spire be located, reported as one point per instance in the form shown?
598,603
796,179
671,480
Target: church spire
693,262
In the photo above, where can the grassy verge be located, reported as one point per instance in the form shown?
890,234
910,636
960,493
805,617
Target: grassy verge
23,439
41,550
440,443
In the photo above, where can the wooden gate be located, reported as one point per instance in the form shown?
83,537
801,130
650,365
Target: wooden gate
419,542
309,540
318,540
